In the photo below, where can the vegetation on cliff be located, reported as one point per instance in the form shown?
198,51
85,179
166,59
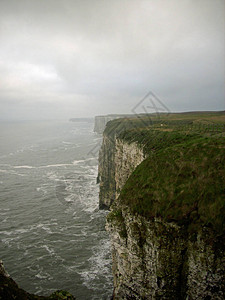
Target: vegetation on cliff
151,133
181,182
183,177
199,122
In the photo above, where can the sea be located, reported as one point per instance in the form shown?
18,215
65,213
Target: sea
52,233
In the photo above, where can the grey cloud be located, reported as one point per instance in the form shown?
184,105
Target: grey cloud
95,57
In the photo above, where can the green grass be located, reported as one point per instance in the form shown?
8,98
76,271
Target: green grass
153,140
181,181
140,128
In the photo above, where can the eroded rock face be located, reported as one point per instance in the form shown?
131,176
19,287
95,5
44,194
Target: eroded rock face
106,173
153,259
117,160
206,267
127,158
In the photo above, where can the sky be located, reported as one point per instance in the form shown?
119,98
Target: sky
69,58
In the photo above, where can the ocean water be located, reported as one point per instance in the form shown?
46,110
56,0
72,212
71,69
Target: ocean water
52,234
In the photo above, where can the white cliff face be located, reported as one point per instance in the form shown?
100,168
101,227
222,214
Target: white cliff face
106,173
158,260
206,268
117,160
127,158
145,261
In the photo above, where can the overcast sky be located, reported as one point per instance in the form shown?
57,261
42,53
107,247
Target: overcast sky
71,58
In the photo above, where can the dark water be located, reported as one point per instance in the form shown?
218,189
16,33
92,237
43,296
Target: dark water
52,233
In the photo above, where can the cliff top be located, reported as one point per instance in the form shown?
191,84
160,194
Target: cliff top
198,122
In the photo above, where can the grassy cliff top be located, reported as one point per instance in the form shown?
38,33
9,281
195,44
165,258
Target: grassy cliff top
182,182
197,121
183,177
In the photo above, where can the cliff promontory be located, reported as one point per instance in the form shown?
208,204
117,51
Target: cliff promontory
167,200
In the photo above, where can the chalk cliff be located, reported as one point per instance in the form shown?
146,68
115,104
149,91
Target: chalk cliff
166,222
106,173
117,160
153,259
127,157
